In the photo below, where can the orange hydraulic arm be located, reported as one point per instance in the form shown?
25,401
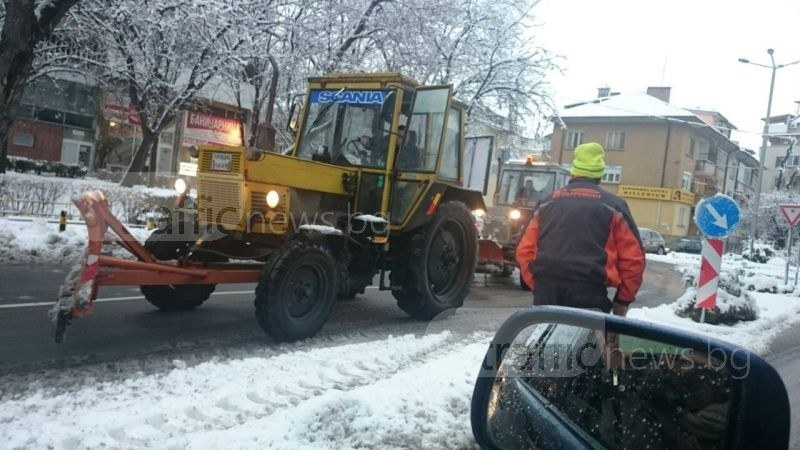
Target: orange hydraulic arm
78,293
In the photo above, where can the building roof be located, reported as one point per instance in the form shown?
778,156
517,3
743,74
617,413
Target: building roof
714,113
625,105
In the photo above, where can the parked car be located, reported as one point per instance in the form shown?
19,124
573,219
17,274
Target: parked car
653,241
689,245
557,377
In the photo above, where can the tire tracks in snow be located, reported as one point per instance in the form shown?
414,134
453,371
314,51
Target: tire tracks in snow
161,409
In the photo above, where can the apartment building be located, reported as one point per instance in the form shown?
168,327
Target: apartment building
783,130
661,158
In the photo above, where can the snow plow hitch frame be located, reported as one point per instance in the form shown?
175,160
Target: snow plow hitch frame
76,297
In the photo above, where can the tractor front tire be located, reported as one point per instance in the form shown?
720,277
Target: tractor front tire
179,297
296,291
435,265
165,245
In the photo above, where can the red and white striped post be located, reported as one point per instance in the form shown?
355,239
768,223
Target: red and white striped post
710,267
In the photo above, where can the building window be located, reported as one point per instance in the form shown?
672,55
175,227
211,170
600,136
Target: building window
682,217
615,140
613,175
690,146
574,139
23,139
686,183
791,161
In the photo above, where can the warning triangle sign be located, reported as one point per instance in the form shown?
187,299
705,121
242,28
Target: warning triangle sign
791,213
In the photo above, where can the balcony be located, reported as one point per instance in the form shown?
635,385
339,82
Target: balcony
705,169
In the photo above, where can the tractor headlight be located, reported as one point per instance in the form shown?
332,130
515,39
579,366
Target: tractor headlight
273,199
514,214
180,186
478,212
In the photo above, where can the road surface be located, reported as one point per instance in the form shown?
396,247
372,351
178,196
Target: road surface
124,326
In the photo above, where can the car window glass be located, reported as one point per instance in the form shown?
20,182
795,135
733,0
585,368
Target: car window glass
641,394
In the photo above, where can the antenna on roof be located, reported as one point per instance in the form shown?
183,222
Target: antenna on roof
663,70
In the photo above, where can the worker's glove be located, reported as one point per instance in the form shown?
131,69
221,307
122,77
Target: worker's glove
619,308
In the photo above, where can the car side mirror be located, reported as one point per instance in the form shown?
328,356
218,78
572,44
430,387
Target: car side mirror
557,377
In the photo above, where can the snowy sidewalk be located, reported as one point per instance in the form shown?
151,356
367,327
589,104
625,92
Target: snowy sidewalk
400,392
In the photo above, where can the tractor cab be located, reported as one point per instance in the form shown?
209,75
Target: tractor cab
522,185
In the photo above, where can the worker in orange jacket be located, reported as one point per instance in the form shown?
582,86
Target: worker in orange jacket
582,240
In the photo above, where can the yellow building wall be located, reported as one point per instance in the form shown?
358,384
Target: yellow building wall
661,215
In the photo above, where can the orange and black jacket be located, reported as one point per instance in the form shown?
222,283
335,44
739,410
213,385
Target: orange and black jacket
583,234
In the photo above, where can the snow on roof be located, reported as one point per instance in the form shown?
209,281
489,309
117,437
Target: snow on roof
626,105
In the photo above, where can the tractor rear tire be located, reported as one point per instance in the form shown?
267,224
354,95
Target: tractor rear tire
435,266
296,291
179,297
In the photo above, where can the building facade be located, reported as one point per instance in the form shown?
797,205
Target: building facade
55,122
783,130
661,158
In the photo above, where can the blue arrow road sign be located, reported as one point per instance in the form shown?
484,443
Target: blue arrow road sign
716,216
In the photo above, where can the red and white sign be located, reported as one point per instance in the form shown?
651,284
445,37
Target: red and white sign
710,265
204,128
791,213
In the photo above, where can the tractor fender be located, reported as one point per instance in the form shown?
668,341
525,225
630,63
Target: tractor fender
447,193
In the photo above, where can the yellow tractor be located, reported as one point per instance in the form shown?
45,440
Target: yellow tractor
372,185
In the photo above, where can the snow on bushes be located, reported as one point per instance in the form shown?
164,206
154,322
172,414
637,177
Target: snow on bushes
26,194
734,304
761,254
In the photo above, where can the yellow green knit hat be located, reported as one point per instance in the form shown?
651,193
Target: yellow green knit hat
589,161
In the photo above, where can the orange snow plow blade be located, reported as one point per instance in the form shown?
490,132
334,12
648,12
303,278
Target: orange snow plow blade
76,296
493,259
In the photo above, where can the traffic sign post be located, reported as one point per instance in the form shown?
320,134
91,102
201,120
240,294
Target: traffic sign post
716,217
791,213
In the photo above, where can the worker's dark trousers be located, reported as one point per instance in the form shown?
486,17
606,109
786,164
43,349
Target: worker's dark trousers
553,291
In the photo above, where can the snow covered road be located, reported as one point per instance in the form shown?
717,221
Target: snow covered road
399,392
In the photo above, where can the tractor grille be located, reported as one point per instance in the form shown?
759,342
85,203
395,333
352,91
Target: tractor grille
207,158
220,202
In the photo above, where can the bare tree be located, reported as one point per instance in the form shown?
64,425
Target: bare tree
163,52
25,25
484,48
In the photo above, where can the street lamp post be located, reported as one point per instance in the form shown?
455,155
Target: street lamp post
765,136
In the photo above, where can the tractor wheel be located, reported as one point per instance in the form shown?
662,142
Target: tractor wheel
435,265
179,297
165,246
296,291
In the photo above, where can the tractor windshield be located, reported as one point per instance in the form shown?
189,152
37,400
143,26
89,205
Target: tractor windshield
348,127
525,187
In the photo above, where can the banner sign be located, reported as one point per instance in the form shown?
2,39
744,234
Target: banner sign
204,128
656,193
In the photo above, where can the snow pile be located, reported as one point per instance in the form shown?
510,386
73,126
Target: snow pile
744,286
39,241
400,392
776,313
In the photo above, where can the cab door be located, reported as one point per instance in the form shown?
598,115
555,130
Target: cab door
415,164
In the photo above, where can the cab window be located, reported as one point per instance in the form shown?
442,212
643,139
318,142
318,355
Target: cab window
423,135
452,146
348,127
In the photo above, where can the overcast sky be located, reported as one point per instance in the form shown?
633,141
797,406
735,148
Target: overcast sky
690,45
